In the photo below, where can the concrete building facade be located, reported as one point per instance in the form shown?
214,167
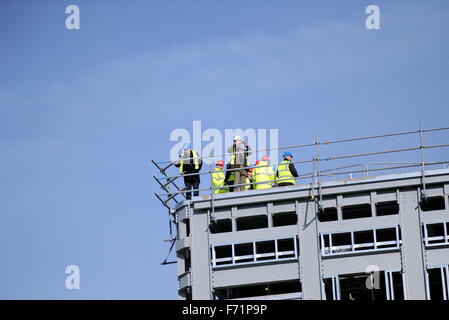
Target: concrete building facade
375,239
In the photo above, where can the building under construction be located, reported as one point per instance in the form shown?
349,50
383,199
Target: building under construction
372,232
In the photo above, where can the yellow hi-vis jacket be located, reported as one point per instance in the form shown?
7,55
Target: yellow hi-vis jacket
247,186
196,161
263,172
284,174
218,180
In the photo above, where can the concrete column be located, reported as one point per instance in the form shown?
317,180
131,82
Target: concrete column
412,245
200,256
339,206
310,264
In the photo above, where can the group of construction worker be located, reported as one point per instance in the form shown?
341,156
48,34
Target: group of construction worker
239,176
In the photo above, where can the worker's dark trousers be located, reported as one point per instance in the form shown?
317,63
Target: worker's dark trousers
192,181
284,184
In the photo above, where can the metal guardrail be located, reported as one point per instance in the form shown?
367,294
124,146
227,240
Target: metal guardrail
315,176
365,169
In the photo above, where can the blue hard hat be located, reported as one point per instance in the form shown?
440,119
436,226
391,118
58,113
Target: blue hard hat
287,154
186,146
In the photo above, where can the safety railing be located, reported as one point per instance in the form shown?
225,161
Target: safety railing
317,173
312,169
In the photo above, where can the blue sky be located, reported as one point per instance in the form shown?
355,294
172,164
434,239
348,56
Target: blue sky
82,112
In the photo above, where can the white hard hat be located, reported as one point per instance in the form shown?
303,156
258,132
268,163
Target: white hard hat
237,138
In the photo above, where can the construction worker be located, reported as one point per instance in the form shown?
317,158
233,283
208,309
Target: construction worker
263,174
190,163
249,180
240,151
229,179
286,172
218,178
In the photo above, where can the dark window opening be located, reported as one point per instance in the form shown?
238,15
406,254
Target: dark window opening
435,284
284,246
326,243
328,289
386,235
187,222
436,231
253,222
363,240
258,290
223,252
243,252
187,262
342,240
433,203
220,226
266,250
357,211
358,287
387,208
398,286
328,214
188,293
285,219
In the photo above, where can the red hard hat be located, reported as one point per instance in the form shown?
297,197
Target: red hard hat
220,163
250,169
265,158
257,162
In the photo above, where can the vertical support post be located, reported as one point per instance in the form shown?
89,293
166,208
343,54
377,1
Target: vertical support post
446,269
323,290
214,256
319,173
254,251
391,285
421,139
212,190
352,241
334,289
200,256
412,246
387,287
322,244
427,285
443,282
337,281
445,232
276,249
397,237
375,239
295,246
309,259
170,216
404,291
426,236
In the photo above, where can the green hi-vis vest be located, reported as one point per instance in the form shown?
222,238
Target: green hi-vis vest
196,161
263,172
284,174
218,180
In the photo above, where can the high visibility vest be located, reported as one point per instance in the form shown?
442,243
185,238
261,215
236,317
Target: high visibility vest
246,163
247,186
218,180
263,172
196,161
284,174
